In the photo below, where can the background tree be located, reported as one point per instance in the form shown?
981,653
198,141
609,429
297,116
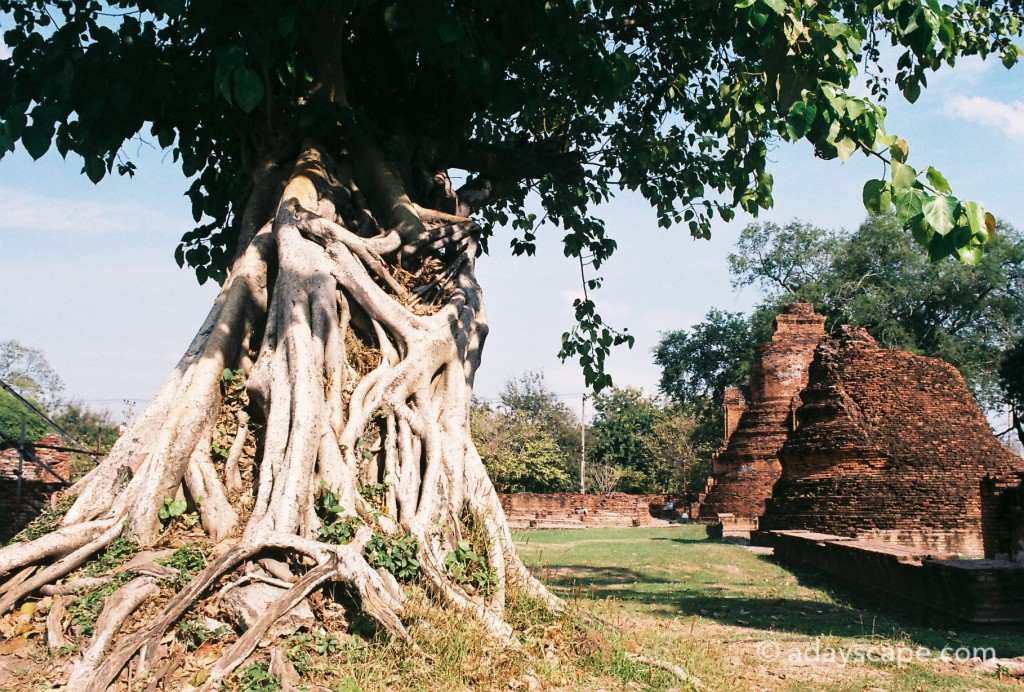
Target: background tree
1011,375
27,370
623,420
318,136
528,397
520,455
96,431
674,465
13,413
530,441
874,278
698,364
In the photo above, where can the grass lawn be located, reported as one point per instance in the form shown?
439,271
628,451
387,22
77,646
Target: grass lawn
738,620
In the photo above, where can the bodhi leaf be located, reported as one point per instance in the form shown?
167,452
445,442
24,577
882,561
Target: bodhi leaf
939,212
877,196
937,180
246,89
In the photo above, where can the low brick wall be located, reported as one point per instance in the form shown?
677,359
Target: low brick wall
576,511
37,485
976,592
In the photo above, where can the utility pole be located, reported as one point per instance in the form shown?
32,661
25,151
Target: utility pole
583,446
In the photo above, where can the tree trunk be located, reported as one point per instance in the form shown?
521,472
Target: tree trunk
358,341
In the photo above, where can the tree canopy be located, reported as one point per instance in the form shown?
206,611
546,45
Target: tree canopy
572,101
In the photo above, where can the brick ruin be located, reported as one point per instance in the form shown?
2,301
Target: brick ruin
17,509
758,421
576,511
890,446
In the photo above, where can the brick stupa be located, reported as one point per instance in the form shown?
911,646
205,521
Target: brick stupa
756,425
891,446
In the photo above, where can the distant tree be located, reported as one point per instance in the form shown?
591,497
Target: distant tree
530,398
603,478
95,430
699,363
623,419
12,414
1011,376
520,455
673,464
874,278
27,370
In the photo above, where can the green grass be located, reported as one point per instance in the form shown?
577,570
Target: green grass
708,605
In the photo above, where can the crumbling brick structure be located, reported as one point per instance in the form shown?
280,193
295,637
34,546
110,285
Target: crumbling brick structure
891,446
576,511
18,508
756,426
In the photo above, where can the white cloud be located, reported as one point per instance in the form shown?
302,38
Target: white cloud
28,211
5,52
1008,117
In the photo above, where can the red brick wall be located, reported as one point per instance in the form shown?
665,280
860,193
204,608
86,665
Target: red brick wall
58,461
36,488
572,510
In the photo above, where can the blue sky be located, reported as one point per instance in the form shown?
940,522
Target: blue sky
87,274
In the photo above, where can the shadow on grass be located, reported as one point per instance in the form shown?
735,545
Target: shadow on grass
844,618
577,577
690,541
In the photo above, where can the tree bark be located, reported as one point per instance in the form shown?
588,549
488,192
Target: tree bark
358,324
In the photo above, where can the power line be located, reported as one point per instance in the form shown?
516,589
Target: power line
52,423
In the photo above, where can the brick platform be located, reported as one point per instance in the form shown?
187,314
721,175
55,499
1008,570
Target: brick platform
950,590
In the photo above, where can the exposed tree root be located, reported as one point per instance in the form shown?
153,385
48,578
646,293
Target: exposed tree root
677,671
358,345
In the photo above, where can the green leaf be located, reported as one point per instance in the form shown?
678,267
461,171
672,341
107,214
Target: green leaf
908,205
800,118
877,196
36,139
246,89
937,180
94,168
903,176
975,217
912,90
922,232
940,213
845,148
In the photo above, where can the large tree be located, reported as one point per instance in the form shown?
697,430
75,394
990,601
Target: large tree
335,368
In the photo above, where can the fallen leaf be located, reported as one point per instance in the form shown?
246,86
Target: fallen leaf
13,645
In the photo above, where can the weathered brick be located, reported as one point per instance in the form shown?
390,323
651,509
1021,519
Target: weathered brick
18,506
758,423
576,511
891,446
